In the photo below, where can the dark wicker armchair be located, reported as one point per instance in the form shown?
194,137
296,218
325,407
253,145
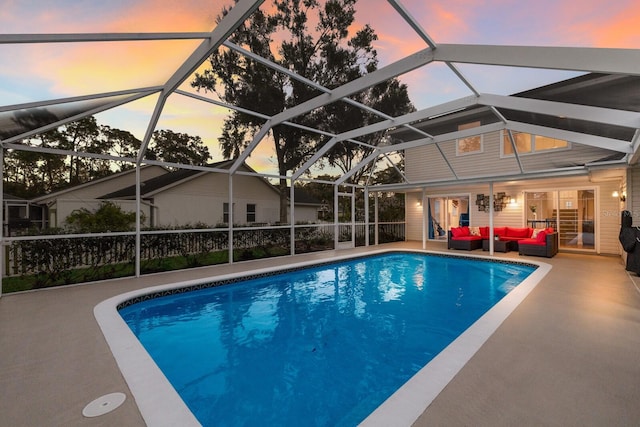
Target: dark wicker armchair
549,249
466,244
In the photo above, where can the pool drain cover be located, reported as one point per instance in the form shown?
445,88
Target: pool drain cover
103,405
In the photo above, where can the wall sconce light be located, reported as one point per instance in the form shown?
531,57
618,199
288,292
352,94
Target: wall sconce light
622,195
419,203
513,202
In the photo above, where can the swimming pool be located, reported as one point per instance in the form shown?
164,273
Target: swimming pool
324,317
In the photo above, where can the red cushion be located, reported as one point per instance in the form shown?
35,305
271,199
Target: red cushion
518,232
468,238
531,242
465,230
500,231
542,237
549,230
484,232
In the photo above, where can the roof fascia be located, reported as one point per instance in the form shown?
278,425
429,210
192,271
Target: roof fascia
57,194
552,173
598,60
171,185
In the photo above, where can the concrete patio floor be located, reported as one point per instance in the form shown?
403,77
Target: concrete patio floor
568,355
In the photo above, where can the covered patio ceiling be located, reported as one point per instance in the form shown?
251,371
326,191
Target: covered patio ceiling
599,106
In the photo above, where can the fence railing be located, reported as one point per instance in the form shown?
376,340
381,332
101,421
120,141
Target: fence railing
58,253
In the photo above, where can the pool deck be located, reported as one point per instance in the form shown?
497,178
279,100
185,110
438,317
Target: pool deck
568,355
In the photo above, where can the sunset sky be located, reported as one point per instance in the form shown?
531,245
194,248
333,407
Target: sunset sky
48,71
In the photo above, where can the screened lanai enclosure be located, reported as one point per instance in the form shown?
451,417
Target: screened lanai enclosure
174,136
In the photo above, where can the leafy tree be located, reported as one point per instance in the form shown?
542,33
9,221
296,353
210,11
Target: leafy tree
325,54
29,174
390,97
391,205
108,217
181,148
81,136
121,143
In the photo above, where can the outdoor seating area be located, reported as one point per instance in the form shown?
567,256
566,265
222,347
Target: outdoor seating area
525,240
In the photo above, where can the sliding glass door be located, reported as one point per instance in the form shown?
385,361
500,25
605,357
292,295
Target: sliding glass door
445,212
570,212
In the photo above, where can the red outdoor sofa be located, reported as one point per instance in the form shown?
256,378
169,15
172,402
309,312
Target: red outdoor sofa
526,240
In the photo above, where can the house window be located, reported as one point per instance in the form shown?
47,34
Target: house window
543,143
251,212
470,144
225,213
527,143
521,140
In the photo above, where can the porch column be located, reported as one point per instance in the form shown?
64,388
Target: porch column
375,214
353,216
230,218
424,219
138,220
366,216
491,218
292,218
336,227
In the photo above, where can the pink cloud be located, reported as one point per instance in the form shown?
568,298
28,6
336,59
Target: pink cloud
98,67
615,27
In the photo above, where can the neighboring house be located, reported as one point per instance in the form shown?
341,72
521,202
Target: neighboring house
580,200
308,208
20,214
190,197
58,205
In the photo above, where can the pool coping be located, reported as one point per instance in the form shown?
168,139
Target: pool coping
160,404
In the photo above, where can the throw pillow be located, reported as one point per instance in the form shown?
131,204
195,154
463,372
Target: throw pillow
475,231
536,231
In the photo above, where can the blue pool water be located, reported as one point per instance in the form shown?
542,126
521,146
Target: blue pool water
322,346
